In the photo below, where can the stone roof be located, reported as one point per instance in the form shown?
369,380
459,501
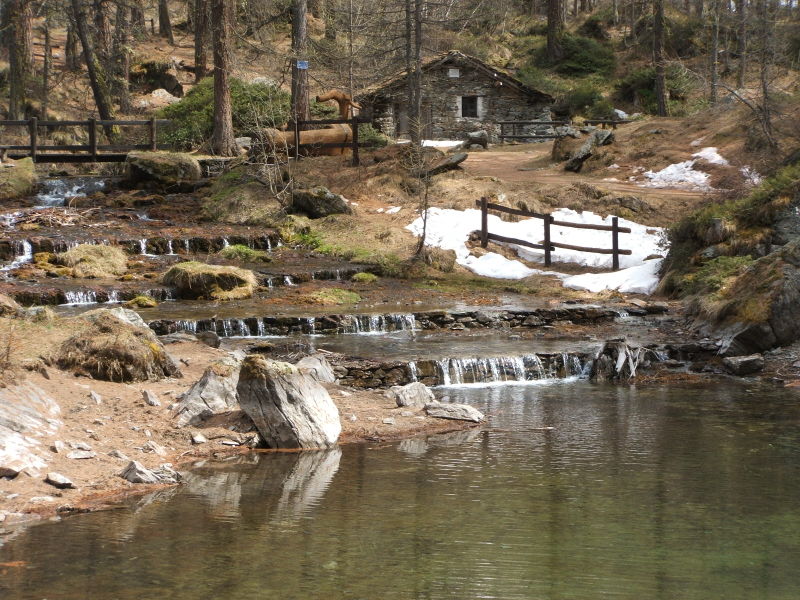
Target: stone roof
387,86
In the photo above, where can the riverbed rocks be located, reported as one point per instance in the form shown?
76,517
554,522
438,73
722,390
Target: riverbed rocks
457,412
414,394
58,480
195,280
136,472
318,367
111,349
598,137
17,178
743,365
289,408
214,393
318,202
27,414
169,170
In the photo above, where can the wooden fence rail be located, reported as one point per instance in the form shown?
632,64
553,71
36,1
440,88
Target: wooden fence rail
94,152
531,136
547,244
604,122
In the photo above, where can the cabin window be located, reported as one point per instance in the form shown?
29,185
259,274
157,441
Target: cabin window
454,73
469,106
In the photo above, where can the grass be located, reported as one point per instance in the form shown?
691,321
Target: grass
332,296
194,279
364,278
142,301
244,254
94,261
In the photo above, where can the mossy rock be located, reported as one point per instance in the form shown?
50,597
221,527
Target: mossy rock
163,169
112,349
364,278
238,199
318,202
142,301
332,297
17,178
93,261
195,280
244,254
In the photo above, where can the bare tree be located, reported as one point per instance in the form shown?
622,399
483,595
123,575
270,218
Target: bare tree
20,55
658,57
222,140
714,52
98,78
555,29
741,49
300,99
201,27
164,23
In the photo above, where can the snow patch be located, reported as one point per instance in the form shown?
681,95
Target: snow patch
393,210
683,174
711,155
752,177
642,279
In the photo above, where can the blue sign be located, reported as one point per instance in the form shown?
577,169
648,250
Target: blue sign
302,64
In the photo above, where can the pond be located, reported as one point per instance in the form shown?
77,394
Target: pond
573,490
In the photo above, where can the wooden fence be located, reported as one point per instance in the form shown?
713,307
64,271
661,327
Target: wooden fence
92,151
515,135
547,244
354,144
603,122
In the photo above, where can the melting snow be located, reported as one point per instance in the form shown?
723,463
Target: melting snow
711,155
393,210
683,175
641,279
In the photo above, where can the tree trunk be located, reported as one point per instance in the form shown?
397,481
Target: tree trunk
417,125
317,8
615,11
164,24
20,56
46,67
201,26
714,54
102,33
300,101
98,78
122,59
742,43
555,29
765,58
138,24
222,140
658,57
71,60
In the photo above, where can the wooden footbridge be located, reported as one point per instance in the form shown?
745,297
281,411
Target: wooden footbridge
43,152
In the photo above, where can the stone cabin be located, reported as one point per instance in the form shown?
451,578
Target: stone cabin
460,94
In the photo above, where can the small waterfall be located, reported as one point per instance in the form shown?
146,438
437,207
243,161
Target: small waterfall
270,285
311,325
413,371
242,328
187,248
338,275
143,247
170,251
404,321
288,281
444,371
269,245
24,256
74,297
190,326
261,332
113,297
498,369
225,242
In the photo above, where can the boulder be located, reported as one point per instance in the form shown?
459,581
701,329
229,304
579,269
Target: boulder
448,163
478,138
135,472
318,202
27,414
566,146
196,280
58,480
215,392
598,137
9,307
318,367
17,178
163,169
743,365
414,394
111,349
289,408
459,412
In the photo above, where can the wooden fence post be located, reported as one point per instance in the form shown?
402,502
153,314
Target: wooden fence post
92,123
297,140
547,258
615,242
33,128
354,125
153,144
484,223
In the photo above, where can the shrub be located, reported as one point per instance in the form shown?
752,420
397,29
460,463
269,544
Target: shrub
244,253
579,100
594,27
713,275
367,134
582,56
254,105
364,278
640,85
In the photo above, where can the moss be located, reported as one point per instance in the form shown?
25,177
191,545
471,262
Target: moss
194,279
332,296
94,261
364,278
713,275
142,301
239,199
244,254
17,179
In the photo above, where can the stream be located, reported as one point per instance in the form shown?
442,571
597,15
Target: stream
635,492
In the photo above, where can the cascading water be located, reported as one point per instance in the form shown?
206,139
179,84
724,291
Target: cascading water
170,251
56,192
143,247
225,243
413,371
186,246
311,325
377,324
24,255
74,297
499,369
288,281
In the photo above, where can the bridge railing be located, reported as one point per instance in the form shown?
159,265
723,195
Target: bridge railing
89,152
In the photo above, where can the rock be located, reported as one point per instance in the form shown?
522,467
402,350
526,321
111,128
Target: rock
389,421
743,365
413,394
566,146
135,472
318,202
118,454
209,338
171,170
112,349
478,138
97,398
289,408
81,454
460,412
17,178
80,446
633,203
151,446
58,447
598,137
215,392
26,414
195,280
126,315
181,336
59,481
318,367
199,438
448,163
150,398
9,307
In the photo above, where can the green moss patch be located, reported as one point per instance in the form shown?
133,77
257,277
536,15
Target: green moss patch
94,261
244,254
332,296
193,280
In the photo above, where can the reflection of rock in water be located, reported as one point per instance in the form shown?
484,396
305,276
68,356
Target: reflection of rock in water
419,446
306,483
414,447
220,484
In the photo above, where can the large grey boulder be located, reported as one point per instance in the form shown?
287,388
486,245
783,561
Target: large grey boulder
318,367
414,394
598,137
478,138
163,169
27,415
215,392
289,408
459,412
743,365
318,202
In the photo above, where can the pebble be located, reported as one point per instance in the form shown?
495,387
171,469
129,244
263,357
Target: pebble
98,399
58,480
118,454
199,438
353,418
389,421
81,454
58,447
151,446
79,446
406,413
150,398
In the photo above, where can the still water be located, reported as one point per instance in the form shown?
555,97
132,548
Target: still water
636,493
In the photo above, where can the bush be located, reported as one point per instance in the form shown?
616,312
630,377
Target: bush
244,253
582,56
367,134
364,278
579,100
254,105
213,282
640,86
594,27
682,37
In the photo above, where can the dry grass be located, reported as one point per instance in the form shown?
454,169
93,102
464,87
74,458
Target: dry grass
198,280
94,261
